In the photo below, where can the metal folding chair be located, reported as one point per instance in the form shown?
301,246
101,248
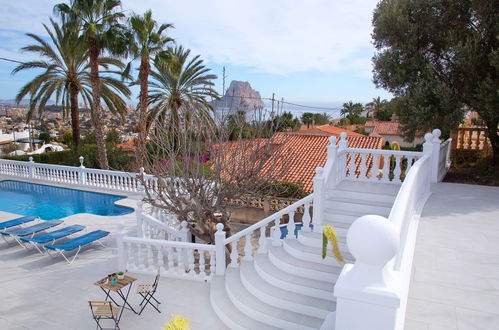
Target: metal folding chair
104,310
147,291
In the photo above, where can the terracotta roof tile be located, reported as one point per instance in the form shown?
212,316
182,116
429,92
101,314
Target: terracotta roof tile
305,153
326,130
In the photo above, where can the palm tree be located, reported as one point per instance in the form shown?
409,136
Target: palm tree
351,109
145,41
376,106
66,76
179,89
98,21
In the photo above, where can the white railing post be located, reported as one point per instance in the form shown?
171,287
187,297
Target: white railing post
342,166
428,147
368,292
220,249
31,167
138,216
435,154
122,258
82,177
318,212
185,233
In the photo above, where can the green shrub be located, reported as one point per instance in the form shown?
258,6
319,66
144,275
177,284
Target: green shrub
118,160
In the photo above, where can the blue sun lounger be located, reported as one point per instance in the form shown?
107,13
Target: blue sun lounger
16,222
77,243
30,231
50,238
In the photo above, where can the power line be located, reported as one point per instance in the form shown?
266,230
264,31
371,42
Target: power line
285,102
9,60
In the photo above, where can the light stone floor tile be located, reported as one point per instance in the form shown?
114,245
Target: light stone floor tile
475,320
415,325
40,293
455,279
431,313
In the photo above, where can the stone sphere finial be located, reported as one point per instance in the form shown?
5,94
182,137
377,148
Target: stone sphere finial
183,224
332,140
343,135
319,170
220,226
428,137
373,240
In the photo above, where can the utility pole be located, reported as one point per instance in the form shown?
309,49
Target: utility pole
224,76
272,113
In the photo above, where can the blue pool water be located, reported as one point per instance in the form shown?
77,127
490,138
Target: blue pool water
49,202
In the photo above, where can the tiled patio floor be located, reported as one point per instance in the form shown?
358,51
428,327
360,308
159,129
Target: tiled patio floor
455,282
38,292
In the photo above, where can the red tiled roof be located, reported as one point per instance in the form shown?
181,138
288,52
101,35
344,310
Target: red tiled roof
304,153
128,146
385,127
326,130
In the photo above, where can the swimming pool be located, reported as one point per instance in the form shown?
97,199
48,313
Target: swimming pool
48,202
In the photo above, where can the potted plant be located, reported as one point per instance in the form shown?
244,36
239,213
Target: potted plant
121,275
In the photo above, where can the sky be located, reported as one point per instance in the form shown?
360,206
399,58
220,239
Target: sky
312,52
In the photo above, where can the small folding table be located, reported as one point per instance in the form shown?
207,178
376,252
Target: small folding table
107,287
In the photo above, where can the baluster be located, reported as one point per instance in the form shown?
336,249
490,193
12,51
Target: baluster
161,260
276,232
291,225
129,261
191,260
363,166
171,261
353,165
375,167
150,258
306,217
233,254
386,168
180,262
398,170
140,256
248,250
409,164
262,241
202,267
213,262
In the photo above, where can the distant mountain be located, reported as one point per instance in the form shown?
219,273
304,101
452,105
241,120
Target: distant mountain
240,96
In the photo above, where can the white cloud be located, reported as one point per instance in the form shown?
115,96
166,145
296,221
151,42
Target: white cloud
278,36
273,36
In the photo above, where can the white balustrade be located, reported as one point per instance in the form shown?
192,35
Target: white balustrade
259,230
377,285
181,260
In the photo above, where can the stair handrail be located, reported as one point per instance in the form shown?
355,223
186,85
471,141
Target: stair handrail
224,245
383,249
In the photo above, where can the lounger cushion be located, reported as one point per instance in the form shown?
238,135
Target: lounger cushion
60,233
16,222
33,229
79,241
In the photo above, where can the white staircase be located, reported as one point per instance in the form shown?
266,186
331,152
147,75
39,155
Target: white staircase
290,286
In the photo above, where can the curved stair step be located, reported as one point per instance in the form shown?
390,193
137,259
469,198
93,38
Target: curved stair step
292,282
371,187
227,312
268,314
309,269
312,238
275,296
311,253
